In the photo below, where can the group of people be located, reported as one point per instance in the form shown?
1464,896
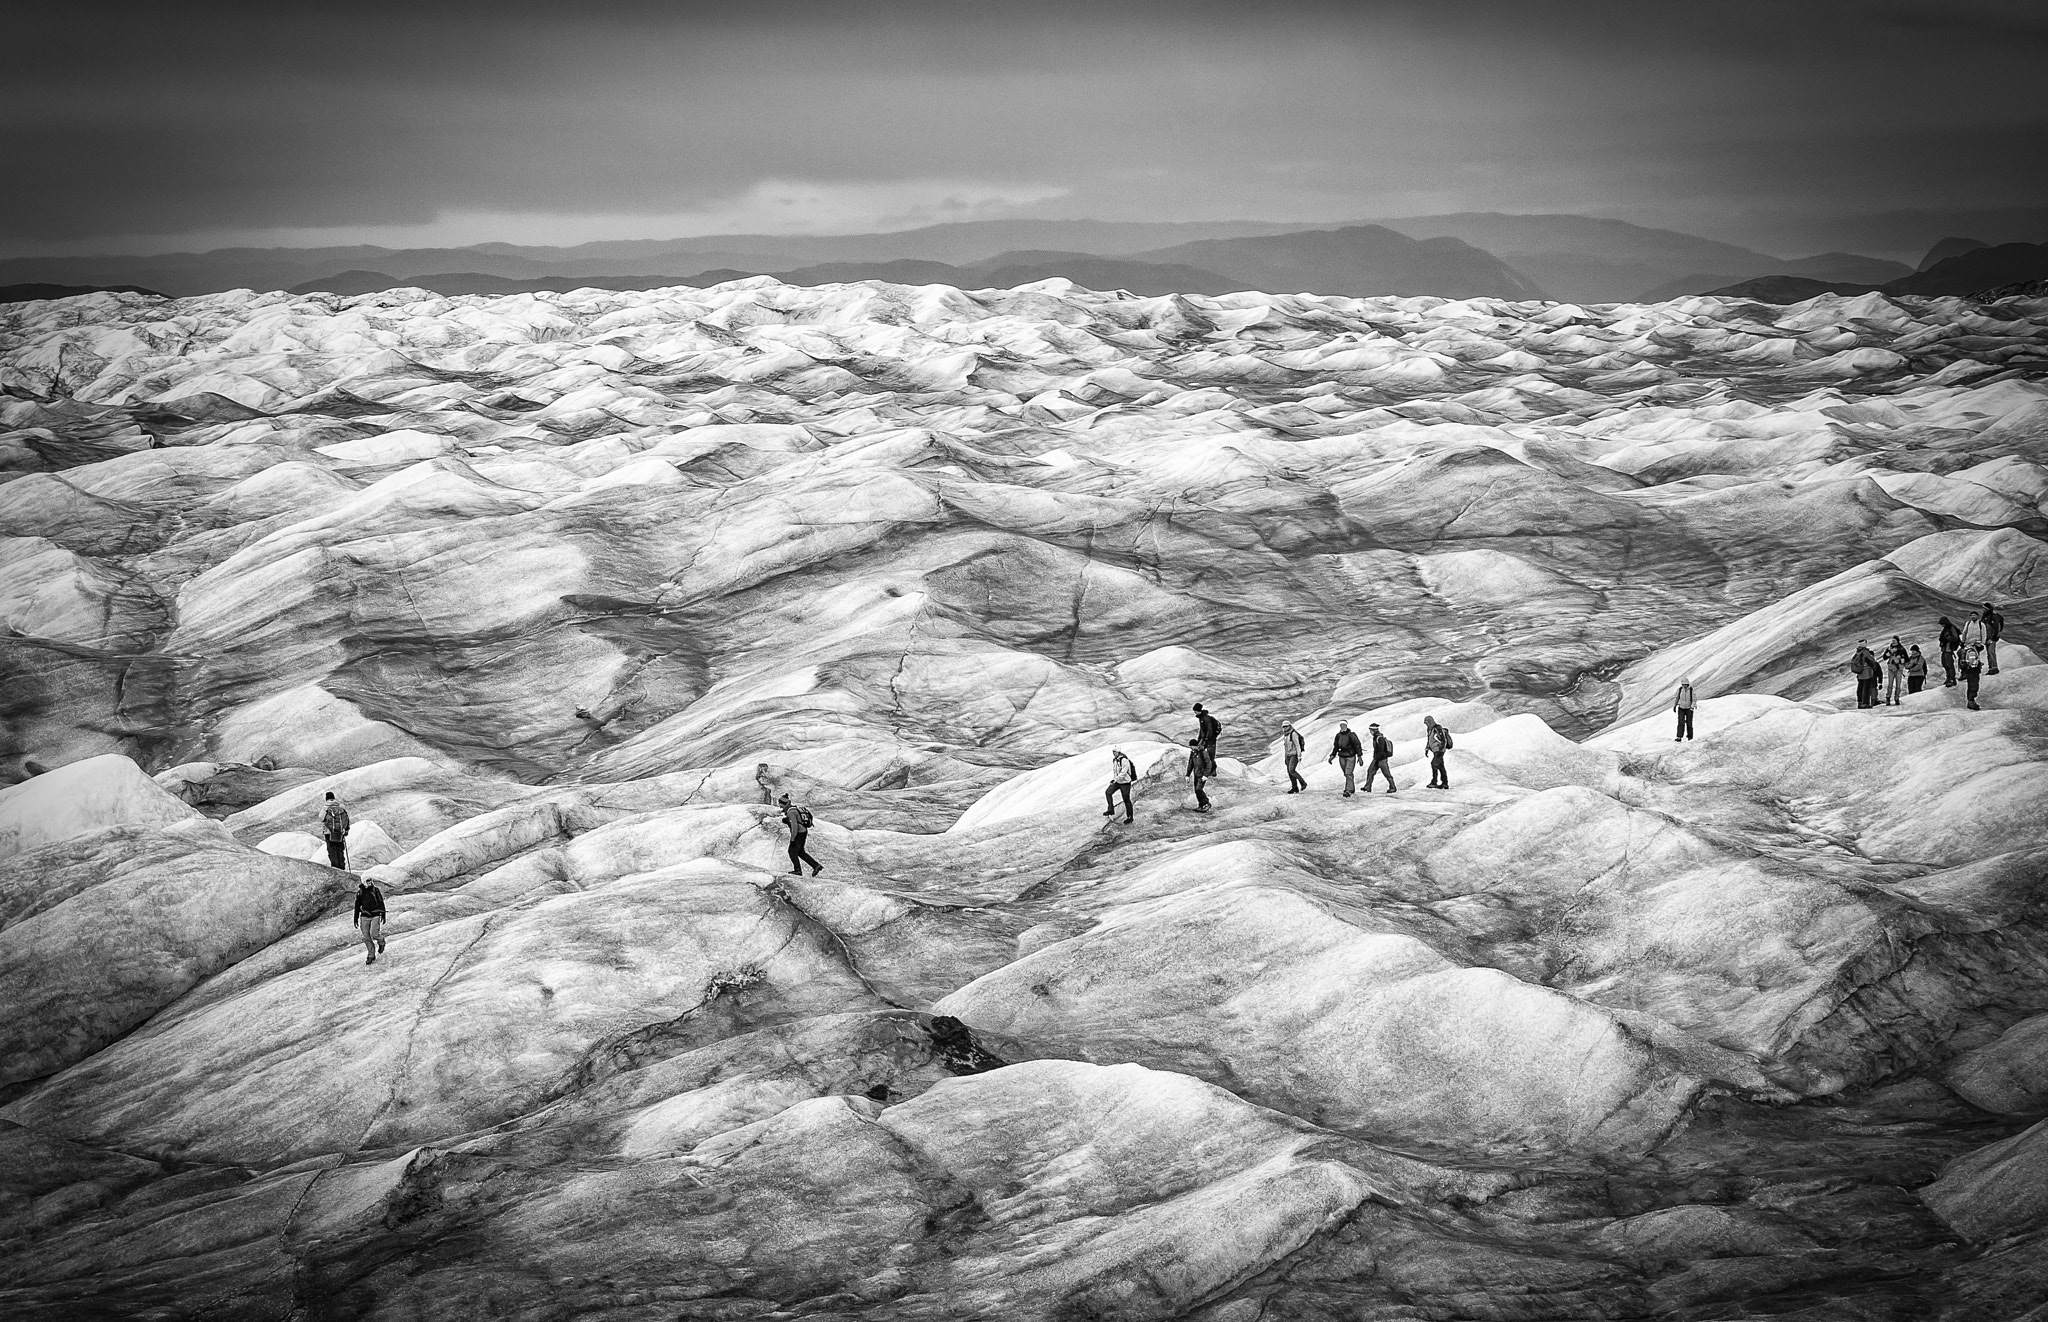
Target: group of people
1347,750
1901,668
1971,650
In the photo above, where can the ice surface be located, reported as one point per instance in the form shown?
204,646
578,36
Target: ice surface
559,592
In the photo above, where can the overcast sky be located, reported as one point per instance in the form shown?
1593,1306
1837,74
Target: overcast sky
1785,124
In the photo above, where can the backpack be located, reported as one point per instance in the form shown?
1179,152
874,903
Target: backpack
799,817
334,821
1382,746
1447,737
1125,771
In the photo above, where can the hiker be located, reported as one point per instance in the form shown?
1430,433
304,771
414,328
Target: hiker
1951,640
1916,669
1864,666
1292,746
369,918
1683,705
334,827
1344,751
1971,658
1978,636
798,819
1210,730
1382,759
1894,658
1198,767
1436,741
1122,773
1994,626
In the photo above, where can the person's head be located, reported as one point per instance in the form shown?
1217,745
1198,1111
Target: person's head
330,794
1429,720
1288,728
1374,727
783,799
1685,679
1987,608
1945,622
1194,743
1343,725
1198,706
1914,648
1116,752
1895,638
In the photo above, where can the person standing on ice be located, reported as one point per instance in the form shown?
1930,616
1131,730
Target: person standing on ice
1208,730
1894,657
1436,741
1994,625
1916,669
1382,759
1292,746
1123,773
1864,666
1198,767
369,919
1344,751
1971,659
1683,705
334,829
1951,639
798,819
1977,635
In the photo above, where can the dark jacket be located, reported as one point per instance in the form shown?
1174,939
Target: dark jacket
1951,637
1346,744
1211,729
1994,624
1382,747
1864,664
369,903
1198,762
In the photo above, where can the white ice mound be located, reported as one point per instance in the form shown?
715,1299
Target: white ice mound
81,798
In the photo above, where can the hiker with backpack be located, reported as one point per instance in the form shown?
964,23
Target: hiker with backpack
1382,759
798,819
1208,730
1123,773
1292,746
1683,704
1894,658
1344,751
1864,666
368,918
1951,640
1916,669
1198,767
334,829
1971,659
1436,741
1994,626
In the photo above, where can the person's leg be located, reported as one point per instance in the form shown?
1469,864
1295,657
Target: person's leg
1109,800
1349,766
805,854
337,853
377,930
1948,665
1970,677
1128,814
1914,683
1201,797
1439,779
796,851
1990,656
1295,784
365,930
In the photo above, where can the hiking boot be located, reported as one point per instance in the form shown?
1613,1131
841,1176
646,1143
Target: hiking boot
1129,820
380,945
1992,671
370,960
1975,707
815,869
796,872
1110,813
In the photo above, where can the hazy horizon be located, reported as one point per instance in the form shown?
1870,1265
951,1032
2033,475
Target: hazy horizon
1790,129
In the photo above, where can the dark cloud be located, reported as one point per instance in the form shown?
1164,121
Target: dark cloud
168,119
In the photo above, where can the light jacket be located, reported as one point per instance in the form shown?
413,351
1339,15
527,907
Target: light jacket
1684,700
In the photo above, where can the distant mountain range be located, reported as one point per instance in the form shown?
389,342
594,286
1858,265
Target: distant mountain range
1572,258
1969,268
